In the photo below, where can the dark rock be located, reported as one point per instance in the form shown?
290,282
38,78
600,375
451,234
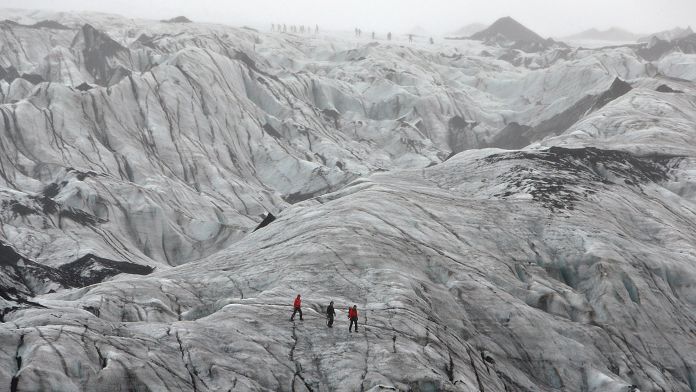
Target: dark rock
516,136
33,78
9,74
146,40
90,269
20,279
20,209
177,19
560,122
98,49
48,205
8,256
80,216
512,137
267,220
50,24
617,89
332,115
663,88
658,48
459,138
51,190
570,167
84,87
87,270
300,196
272,131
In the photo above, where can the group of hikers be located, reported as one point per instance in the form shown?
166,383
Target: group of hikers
358,33
301,29
283,28
330,313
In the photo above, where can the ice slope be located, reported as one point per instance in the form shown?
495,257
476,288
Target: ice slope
557,270
134,147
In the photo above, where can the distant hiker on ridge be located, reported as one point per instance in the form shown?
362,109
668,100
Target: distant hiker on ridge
353,316
373,35
432,41
389,36
330,313
410,38
297,308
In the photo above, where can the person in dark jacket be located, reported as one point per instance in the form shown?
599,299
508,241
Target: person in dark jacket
330,313
353,316
297,308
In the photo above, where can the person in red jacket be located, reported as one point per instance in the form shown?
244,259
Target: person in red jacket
297,308
353,316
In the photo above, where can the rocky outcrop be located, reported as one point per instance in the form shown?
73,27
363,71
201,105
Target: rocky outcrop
178,19
105,59
515,135
657,48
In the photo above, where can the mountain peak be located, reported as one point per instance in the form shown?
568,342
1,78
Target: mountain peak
509,29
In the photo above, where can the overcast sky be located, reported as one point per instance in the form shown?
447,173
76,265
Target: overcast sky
547,17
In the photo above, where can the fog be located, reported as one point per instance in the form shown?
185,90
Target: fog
547,17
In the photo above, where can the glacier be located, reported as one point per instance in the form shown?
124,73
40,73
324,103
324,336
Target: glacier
506,216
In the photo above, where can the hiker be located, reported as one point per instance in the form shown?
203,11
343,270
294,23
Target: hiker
432,41
297,308
389,36
330,313
353,316
410,38
373,35
272,27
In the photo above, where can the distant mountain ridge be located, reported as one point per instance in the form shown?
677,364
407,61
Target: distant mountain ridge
668,35
611,34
